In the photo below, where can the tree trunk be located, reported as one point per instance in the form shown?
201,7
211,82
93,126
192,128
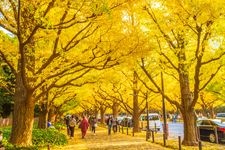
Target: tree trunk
115,108
187,107
52,115
190,131
58,117
43,117
135,105
23,115
212,112
102,112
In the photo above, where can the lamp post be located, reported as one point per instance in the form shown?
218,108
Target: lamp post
147,111
165,129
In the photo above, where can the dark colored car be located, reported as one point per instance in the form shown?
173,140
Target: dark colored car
126,122
208,127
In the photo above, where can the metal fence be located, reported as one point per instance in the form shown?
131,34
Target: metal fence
158,137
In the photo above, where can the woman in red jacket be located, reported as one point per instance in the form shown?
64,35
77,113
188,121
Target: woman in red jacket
84,126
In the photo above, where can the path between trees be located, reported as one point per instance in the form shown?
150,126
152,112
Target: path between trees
102,141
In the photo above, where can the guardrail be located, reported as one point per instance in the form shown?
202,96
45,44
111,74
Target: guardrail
158,137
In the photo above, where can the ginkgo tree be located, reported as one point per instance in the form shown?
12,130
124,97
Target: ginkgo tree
121,89
55,103
208,102
190,51
46,43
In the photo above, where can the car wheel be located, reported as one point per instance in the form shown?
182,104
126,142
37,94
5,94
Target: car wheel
212,138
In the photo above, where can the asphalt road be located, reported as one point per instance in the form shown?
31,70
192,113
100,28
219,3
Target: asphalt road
175,129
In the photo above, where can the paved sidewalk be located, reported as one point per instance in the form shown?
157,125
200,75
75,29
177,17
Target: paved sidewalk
102,141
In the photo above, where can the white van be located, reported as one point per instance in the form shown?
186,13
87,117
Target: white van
154,121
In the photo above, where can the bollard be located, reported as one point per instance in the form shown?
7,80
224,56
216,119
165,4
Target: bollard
164,139
153,139
200,145
133,131
127,130
146,136
122,129
119,128
216,135
179,141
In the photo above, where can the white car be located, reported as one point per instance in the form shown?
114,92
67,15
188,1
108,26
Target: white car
154,121
221,116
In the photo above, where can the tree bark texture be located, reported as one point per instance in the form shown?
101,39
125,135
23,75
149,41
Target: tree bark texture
43,117
23,115
190,131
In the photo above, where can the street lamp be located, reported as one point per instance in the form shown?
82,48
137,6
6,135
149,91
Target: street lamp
147,111
165,127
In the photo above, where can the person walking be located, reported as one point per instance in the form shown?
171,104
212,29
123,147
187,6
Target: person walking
84,126
93,124
109,124
72,124
67,121
114,124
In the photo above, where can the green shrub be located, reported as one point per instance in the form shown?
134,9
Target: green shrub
6,133
41,137
50,136
59,126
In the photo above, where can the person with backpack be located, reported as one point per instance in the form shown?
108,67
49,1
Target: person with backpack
72,124
67,121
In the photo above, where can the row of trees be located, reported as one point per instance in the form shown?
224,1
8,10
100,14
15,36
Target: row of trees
188,50
54,47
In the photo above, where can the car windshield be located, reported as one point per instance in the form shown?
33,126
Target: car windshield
217,123
151,117
220,115
210,122
155,117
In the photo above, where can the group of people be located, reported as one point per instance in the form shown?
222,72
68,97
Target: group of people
112,124
84,123
71,122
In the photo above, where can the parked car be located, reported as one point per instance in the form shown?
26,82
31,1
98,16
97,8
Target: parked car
153,119
119,119
207,129
127,122
221,116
